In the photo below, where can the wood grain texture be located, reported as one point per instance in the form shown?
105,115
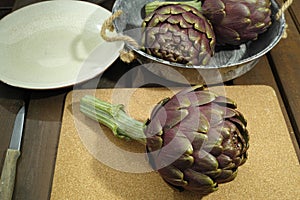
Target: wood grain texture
261,74
36,165
22,3
6,3
294,11
39,145
285,64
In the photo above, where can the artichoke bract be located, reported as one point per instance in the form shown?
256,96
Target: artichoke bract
237,21
195,139
178,33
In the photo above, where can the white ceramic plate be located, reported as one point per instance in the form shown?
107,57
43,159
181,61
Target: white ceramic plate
54,44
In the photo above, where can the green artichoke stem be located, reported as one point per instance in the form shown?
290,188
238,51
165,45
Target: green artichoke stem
152,6
114,117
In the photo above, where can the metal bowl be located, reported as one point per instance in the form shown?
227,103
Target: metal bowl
226,64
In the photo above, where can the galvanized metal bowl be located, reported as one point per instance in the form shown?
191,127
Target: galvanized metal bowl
226,64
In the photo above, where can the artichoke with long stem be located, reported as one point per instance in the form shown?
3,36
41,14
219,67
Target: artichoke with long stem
195,139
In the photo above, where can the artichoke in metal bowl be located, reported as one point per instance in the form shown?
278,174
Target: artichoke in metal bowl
195,139
179,33
226,64
237,22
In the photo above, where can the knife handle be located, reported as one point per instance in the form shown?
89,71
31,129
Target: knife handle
8,175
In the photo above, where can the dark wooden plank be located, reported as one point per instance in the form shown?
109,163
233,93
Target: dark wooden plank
110,78
295,12
108,4
42,129
4,12
7,3
10,92
286,62
21,3
36,165
261,74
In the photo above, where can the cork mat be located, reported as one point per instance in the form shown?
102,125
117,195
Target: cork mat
92,164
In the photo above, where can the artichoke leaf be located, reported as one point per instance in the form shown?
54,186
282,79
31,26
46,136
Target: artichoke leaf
172,175
205,161
196,179
226,176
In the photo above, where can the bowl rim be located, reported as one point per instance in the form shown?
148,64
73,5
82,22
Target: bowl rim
241,62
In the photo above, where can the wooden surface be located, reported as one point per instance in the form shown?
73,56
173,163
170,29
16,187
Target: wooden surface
83,172
278,69
7,3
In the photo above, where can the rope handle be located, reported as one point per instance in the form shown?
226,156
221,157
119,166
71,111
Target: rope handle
125,55
280,12
128,55
283,8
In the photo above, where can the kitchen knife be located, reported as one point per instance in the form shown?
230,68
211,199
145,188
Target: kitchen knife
7,180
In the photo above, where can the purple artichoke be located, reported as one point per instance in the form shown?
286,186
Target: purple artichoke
195,140
237,21
178,33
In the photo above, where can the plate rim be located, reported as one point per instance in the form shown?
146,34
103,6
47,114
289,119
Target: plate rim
68,82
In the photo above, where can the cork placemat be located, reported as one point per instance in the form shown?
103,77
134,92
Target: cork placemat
92,164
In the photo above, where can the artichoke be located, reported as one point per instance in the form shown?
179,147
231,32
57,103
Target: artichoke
237,21
178,33
195,140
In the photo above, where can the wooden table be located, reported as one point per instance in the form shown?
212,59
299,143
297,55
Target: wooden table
278,69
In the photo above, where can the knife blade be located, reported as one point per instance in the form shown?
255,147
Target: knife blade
8,174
